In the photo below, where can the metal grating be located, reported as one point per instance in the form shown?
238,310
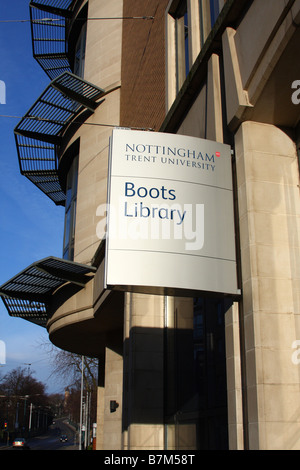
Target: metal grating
27,295
38,134
35,312
48,30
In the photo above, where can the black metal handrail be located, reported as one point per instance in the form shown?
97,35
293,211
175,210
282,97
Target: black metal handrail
48,30
39,133
27,295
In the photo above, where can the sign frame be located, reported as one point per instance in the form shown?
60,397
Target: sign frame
205,186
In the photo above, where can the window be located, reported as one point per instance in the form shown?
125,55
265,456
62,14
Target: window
189,23
196,409
182,44
205,23
214,11
70,214
80,53
209,11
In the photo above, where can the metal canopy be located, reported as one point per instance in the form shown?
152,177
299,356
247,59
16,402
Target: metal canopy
27,295
48,34
38,134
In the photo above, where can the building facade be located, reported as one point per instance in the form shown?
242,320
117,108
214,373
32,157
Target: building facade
175,372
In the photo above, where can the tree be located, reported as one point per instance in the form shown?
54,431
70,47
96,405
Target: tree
69,367
23,401
20,382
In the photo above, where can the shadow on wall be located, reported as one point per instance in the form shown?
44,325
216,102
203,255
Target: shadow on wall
177,377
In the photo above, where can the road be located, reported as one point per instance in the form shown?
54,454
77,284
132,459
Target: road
51,441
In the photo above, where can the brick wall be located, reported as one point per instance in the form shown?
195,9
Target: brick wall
143,64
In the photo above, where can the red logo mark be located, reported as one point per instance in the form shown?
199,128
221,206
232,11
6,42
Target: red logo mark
218,154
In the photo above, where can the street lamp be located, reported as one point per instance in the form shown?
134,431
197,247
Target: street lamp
30,416
24,420
17,417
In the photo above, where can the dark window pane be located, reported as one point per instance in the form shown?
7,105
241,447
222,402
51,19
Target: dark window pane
70,216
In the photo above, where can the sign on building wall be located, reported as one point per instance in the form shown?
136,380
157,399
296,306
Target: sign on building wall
170,226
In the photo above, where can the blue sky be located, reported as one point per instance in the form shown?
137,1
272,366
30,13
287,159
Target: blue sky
31,226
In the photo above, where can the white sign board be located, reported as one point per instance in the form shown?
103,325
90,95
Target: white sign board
170,226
